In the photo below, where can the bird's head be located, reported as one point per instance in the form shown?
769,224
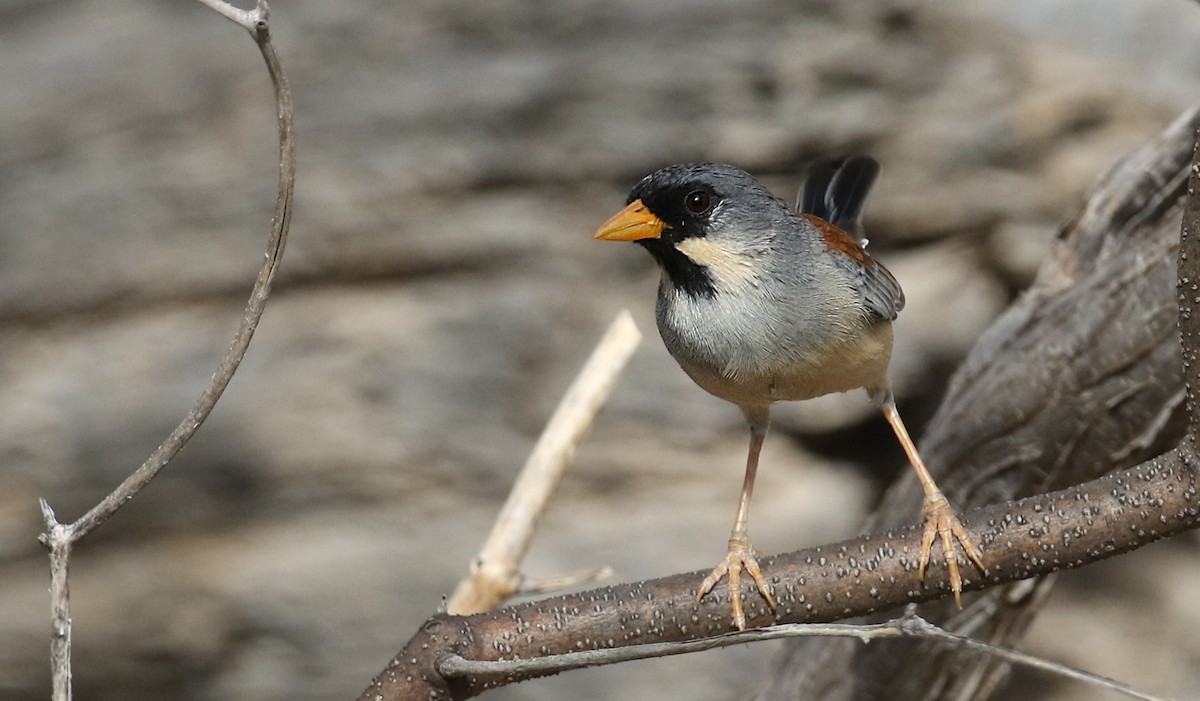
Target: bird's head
706,224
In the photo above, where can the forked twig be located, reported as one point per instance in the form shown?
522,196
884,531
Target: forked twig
60,538
495,574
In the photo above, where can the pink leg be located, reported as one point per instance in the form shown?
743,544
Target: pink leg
741,552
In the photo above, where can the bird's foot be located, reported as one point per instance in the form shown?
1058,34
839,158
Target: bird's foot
941,521
740,555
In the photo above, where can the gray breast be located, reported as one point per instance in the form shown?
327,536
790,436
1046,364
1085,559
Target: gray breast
767,326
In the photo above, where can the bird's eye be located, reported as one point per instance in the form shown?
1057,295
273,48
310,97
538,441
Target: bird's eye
697,202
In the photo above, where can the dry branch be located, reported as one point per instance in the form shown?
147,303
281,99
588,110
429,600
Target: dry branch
60,538
877,572
495,574
1095,332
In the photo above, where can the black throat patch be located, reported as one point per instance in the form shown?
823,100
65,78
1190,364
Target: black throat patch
690,277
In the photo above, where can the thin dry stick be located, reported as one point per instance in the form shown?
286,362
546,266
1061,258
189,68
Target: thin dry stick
60,538
494,574
453,666
549,585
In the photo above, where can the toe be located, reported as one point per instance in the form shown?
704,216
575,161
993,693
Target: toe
940,520
711,581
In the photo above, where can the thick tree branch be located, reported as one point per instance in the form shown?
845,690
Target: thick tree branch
1084,331
876,572
1189,293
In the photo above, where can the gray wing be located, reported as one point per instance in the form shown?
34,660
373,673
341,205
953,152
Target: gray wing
834,195
881,295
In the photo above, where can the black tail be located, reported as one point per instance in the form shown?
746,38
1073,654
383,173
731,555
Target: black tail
836,190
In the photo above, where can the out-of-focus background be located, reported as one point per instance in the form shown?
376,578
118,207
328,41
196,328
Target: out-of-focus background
441,288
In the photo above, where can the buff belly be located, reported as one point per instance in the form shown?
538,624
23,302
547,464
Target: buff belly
858,362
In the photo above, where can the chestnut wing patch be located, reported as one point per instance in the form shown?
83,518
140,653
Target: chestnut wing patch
838,240
881,293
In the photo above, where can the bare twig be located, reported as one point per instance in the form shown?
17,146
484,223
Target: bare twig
280,223
549,585
916,626
494,574
247,19
60,541
911,626
60,538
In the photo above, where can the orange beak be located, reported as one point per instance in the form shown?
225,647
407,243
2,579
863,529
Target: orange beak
633,223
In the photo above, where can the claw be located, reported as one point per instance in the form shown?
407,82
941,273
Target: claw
740,555
941,521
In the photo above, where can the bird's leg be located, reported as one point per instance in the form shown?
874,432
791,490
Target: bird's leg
741,552
940,519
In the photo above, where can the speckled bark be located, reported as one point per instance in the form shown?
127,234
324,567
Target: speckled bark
1042,534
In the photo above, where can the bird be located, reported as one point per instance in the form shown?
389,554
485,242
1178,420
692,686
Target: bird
761,302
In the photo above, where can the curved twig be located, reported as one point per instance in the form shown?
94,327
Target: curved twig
60,538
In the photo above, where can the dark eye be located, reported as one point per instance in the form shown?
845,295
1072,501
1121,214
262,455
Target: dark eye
697,202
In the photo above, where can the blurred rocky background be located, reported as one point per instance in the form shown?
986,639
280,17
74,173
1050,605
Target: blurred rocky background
441,288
